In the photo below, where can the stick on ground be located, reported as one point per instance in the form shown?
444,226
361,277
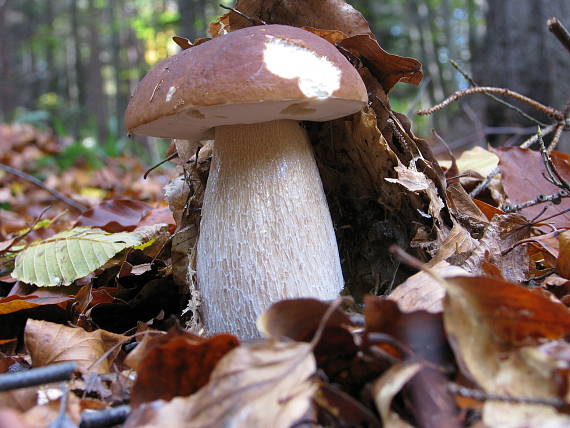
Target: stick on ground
35,377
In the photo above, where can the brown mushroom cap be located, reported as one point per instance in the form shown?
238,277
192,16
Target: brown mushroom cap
252,75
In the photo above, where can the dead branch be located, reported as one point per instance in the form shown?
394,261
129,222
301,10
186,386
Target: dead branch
483,185
35,377
549,111
34,180
104,418
480,395
499,100
555,198
561,33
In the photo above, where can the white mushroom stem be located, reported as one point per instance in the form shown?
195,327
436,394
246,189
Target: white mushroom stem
266,233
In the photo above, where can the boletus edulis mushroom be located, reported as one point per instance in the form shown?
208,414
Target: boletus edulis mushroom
266,233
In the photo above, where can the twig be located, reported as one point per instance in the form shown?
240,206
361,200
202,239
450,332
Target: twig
104,418
38,183
555,197
255,21
556,137
163,161
480,395
534,138
35,377
549,111
499,100
561,33
485,183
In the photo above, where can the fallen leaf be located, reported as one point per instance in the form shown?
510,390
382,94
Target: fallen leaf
116,215
74,253
324,14
260,385
563,265
298,319
476,159
178,365
50,343
385,389
17,303
523,180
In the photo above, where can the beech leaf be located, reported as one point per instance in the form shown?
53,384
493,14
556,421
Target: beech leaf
72,254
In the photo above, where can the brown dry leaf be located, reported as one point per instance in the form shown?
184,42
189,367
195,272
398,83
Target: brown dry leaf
494,328
261,385
476,159
298,319
489,210
388,68
116,215
522,178
50,343
324,14
465,210
387,386
420,332
422,292
178,364
563,265
16,303
499,247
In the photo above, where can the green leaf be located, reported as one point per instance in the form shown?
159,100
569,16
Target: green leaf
74,253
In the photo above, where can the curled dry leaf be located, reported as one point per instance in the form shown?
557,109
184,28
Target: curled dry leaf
258,386
116,215
50,343
178,364
325,14
388,68
499,247
422,292
387,386
495,328
16,303
298,319
563,265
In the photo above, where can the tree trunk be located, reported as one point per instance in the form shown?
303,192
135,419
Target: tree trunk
520,54
96,100
5,90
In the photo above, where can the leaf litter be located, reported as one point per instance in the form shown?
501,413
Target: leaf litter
478,336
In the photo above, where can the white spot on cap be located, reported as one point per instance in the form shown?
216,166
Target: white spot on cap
318,77
171,92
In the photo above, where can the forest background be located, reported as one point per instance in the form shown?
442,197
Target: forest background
71,65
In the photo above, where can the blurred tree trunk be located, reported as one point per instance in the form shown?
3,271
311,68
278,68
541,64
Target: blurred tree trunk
5,90
121,87
79,69
519,53
96,99
187,11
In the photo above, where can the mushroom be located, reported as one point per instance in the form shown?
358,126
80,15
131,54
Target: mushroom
266,233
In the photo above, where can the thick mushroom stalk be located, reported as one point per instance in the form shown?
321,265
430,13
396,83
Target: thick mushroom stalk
266,233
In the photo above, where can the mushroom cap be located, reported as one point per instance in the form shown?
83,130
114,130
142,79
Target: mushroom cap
256,74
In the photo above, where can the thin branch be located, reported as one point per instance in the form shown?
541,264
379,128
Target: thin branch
34,180
540,199
499,100
485,183
35,377
556,137
163,161
534,138
549,111
104,418
480,395
561,33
